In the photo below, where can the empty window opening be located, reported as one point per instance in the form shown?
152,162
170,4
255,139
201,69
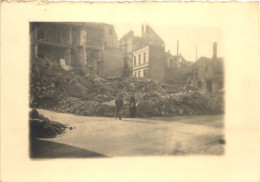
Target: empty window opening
41,34
209,86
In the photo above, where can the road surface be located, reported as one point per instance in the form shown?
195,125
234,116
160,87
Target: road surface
100,137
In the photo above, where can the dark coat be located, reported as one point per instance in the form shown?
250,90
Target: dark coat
132,102
119,103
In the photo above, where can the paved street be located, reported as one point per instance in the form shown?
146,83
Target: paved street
137,136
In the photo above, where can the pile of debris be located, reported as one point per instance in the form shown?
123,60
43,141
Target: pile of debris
182,103
50,84
82,91
84,107
42,127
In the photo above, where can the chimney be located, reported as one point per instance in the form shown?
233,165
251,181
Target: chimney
177,48
215,50
196,53
142,30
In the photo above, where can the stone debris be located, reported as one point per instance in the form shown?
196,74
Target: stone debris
82,91
42,127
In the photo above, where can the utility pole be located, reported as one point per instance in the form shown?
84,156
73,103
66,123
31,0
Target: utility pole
196,53
177,56
194,66
177,48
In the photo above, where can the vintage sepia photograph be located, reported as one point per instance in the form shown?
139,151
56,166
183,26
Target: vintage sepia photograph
129,91
108,90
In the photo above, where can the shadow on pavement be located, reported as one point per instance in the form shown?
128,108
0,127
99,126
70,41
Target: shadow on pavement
46,149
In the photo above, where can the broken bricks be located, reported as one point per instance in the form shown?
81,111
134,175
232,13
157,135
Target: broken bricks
83,92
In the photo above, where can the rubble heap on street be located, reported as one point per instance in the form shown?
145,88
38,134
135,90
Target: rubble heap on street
82,91
42,127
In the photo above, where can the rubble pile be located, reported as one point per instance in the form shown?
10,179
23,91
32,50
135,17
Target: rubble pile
182,103
81,91
50,84
84,107
42,127
46,84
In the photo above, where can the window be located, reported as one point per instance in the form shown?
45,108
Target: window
139,73
144,57
93,35
134,60
134,74
144,72
209,86
139,61
41,34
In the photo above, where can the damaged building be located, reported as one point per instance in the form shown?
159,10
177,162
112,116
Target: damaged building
93,45
208,73
130,45
149,62
178,69
145,55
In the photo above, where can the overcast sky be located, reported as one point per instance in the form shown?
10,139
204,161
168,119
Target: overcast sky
189,37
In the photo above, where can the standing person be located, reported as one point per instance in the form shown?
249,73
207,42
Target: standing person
119,106
132,108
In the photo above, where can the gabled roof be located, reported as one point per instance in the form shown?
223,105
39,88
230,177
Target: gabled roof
128,35
149,28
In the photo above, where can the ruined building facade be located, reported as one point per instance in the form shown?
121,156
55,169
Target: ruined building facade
149,62
146,57
178,69
208,73
77,44
128,44
142,53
